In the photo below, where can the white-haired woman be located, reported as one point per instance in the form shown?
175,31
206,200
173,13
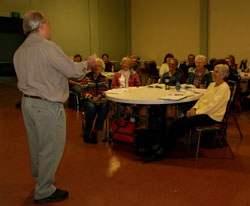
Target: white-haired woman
201,77
126,77
208,110
93,87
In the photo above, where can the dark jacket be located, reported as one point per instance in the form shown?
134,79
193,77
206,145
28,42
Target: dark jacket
177,77
206,80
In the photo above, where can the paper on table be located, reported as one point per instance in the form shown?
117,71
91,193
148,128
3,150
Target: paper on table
117,91
159,86
187,86
174,96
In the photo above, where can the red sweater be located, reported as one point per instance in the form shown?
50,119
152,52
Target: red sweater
132,82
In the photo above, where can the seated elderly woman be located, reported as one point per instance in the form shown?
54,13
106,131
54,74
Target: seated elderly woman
233,73
173,74
201,77
135,66
208,110
108,64
165,67
74,83
126,77
93,86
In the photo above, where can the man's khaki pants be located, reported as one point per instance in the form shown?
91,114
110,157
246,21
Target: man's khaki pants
45,124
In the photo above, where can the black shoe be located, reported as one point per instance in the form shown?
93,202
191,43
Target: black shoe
18,105
86,139
157,156
143,151
58,195
94,138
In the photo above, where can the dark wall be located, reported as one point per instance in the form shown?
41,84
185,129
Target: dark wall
11,37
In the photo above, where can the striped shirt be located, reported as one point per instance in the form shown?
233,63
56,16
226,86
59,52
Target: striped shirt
92,88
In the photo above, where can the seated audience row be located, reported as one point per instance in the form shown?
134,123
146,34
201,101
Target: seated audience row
196,71
92,89
208,110
94,84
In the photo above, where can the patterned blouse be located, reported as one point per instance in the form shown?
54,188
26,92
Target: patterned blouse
92,88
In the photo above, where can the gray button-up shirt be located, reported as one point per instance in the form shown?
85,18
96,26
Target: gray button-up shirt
43,69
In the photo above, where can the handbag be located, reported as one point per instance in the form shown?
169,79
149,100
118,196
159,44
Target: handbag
125,126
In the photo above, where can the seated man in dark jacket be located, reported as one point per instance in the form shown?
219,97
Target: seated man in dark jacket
201,77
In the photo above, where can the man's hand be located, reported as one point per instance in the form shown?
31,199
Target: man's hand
91,60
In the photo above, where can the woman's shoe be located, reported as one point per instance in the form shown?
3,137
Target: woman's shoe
143,151
94,138
86,139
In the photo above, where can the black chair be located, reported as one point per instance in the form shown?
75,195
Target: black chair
236,103
219,128
74,97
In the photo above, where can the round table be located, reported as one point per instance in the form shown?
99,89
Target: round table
148,96
151,96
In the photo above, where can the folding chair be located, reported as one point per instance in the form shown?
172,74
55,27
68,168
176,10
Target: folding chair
236,103
74,96
219,128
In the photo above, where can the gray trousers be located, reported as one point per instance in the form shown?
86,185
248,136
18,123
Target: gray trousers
45,124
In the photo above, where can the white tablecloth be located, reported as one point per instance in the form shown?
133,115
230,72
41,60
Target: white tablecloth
148,96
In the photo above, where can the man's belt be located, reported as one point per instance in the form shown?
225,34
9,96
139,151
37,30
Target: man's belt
36,97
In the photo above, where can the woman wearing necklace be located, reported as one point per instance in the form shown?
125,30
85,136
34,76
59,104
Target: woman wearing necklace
173,74
126,77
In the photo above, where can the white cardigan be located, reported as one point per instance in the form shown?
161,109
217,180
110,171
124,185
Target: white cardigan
214,101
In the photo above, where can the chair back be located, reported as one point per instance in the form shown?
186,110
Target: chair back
233,88
236,83
152,69
146,66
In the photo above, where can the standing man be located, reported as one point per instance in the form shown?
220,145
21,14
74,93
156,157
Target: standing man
43,70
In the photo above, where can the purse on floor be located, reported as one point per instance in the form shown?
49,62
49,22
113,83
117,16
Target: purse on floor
125,126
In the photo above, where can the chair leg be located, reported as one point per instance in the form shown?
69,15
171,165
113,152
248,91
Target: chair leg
189,140
198,146
176,110
238,126
83,120
218,137
107,127
149,80
77,102
225,138
239,106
